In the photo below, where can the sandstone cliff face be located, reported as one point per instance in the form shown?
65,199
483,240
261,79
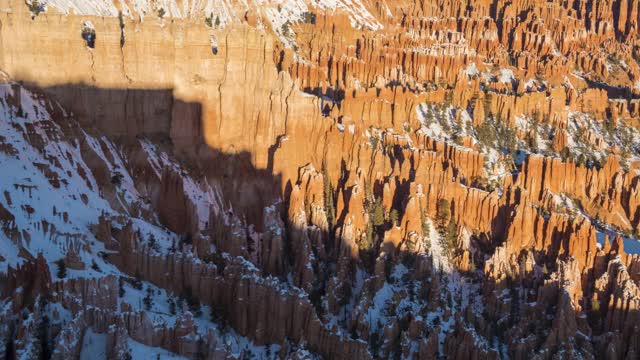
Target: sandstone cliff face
354,179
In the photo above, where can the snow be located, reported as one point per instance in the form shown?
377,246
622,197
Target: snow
585,123
471,69
84,7
631,245
376,314
488,77
535,85
51,212
141,351
163,238
51,194
289,12
127,188
440,261
94,346
277,12
506,76
435,128
159,313
222,13
141,8
202,195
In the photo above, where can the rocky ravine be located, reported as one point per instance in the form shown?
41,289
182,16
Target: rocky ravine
305,179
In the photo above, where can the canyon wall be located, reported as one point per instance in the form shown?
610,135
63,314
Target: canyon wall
435,178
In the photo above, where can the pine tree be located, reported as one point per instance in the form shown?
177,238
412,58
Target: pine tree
137,282
148,299
62,269
192,302
120,287
370,237
95,266
172,306
393,217
487,134
426,229
42,347
378,212
36,7
448,98
152,242
328,199
488,99
127,355
429,116
443,212
285,28
450,235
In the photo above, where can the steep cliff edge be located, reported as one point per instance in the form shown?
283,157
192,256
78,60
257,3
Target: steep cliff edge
294,179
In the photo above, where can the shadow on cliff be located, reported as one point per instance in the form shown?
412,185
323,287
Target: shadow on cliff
127,115
613,92
175,125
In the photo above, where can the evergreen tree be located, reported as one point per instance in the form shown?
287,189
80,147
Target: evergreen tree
148,299
36,7
429,115
369,239
95,266
120,287
444,212
152,242
200,348
62,269
192,302
285,28
488,99
328,199
450,236
487,134
378,212
426,229
172,306
448,98
394,217
43,349
137,281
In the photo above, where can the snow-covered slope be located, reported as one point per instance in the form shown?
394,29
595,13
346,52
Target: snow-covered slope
221,12
52,196
48,189
57,181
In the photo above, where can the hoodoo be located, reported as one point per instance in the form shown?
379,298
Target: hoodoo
310,179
